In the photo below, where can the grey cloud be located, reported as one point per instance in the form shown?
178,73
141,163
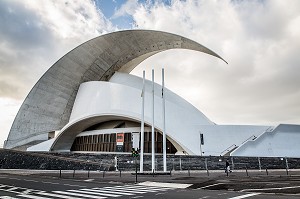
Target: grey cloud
24,43
21,27
261,83
12,90
32,39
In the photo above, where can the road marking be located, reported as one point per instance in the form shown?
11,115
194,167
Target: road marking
13,188
89,180
96,193
245,196
49,182
132,189
10,191
30,180
212,185
156,189
27,191
74,185
148,187
115,191
56,195
137,189
272,183
160,193
123,190
14,178
142,188
266,189
78,194
31,196
170,185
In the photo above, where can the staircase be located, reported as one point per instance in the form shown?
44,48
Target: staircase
227,151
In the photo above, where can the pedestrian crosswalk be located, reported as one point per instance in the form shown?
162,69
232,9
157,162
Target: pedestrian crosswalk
92,193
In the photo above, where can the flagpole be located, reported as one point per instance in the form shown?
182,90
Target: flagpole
164,123
142,127
152,135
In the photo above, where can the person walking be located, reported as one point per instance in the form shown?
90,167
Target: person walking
227,167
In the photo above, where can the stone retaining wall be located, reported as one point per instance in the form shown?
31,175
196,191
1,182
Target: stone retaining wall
10,159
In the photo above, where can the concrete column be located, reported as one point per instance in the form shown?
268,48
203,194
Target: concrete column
142,127
152,136
164,123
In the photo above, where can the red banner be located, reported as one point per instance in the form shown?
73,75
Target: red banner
120,137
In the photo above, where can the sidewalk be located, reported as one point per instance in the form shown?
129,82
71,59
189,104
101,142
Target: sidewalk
185,177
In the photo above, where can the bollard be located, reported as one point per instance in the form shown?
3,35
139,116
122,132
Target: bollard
173,165
247,171
180,164
59,173
206,167
103,174
136,180
189,172
89,173
267,171
259,164
286,166
120,174
74,173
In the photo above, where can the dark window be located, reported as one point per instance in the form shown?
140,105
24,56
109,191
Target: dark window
107,143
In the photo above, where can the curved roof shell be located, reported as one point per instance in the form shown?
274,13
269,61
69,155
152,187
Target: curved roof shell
120,99
49,103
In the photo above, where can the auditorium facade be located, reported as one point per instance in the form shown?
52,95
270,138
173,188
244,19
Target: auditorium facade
89,102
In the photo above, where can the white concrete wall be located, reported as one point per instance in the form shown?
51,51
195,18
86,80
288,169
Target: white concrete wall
108,98
122,97
44,146
218,138
283,141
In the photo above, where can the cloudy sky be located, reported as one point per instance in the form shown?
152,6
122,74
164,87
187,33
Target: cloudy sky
259,39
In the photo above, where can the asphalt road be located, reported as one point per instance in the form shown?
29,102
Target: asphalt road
41,186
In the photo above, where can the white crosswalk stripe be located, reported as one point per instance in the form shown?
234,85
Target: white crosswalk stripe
16,190
78,194
138,187
31,196
56,195
105,191
142,187
123,190
93,193
135,189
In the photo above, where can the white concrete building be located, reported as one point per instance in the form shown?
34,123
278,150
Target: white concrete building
88,101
